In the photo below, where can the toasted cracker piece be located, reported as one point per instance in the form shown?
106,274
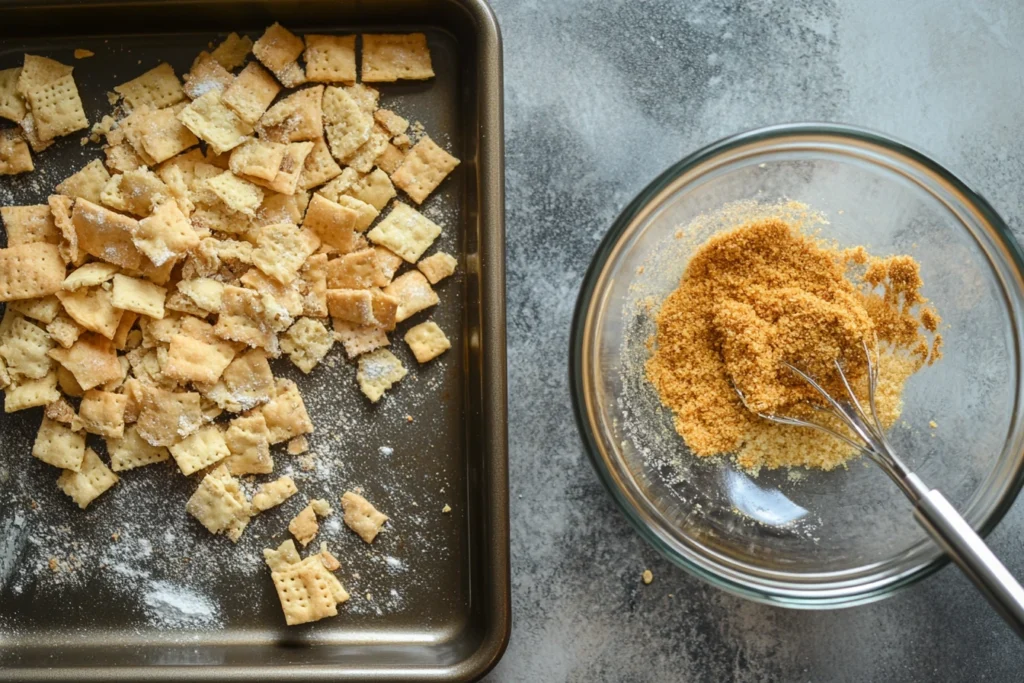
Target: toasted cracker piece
15,156
392,122
131,451
44,309
307,342
374,188
287,179
283,556
414,294
54,100
362,159
139,296
91,359
332,223
329,561
161,135
157,88
202,448
304,526
273,493
313,286
378,371
406,232
298,445
258,159
24,349
286,414
366,213
30,271
192,360
64,330
205,293
220,505
425,166
351,305
361,517
238,195
249,380
206,74
427,341
12,105
346,125
319,167
211,120
136,192
357,270
388,57
93,309
61,208
296,118
330,59
102,413
287,297
28,224
122,157
248,439
105,234
57,445
167,417
308,591
60,411
91,481
243,319
165,235
390,159
92,274
232,51
86,183
357,339
31,393
251,93
277,48
282,249
388,261
437,267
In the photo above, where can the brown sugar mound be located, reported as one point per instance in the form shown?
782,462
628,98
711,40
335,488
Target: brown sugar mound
764,294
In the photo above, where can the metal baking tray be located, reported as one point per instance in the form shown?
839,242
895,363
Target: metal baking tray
167,601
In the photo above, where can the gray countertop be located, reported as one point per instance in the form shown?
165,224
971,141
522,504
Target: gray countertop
601,96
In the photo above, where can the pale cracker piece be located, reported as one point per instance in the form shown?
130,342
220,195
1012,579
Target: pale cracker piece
12,105
167,417
31,393
92,360
219,504
93,309
92,274
298,445
57,445
366,96
321,507
91,481
332,223
30,271
68,384
238,195
313,286
345,124
286,414
358,340
273,493
249,380
392,122
319,167
277,47
389,57
287,297
406,232
81,53
163,136
211,120
287,179
414,294
139,296
329,561
64,330
292,76
122,158
388,261
232,51
361,517
157,88
340,184
205,293
206,74
425,166
378,371
357,270
86,183
278,208
136,192
199,450
105,234
330,59
427,341
362,159
243,320
165,235
307,342
257,159
390,159
192,360
251,93
27,130
44,310
102,413
282,249
304,526
296,118
437,267
308,592
131,451
61,207
374,188
283,556
159,331
15,156
60,411
248,439
351,305
56,108
25,349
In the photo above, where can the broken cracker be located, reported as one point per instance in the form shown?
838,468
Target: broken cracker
361,516
91,481
378,371
59,446
406,232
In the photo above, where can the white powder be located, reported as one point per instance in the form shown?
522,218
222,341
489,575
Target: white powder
174,607
386,450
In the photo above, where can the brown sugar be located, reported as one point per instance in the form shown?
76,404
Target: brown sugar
764,294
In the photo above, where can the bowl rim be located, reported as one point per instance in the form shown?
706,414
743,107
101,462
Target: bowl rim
874,590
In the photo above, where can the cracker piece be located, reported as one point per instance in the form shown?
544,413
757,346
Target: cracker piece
31,393
136,192
139,296
427,341
15,156
307,342
296,118
392,122
346,125
313,286
68,384
28,224
304,526
91,274
361,517
389,57
281,249
219,504
378,371
93,309
27,131
57,445
286,414
91,359
287,297
242,320
202,448
105,234
163,136
206,75
165,235
167,417
91,481
192,360
12,105
406,232
388,261
257,159
115,384
25,349
232,51
30,271
367,214
205,293
319,167
287,179
159,331
157,88
238,195
278,208
102,413
283,556
366,96
413,292
122,158
363,158
60,411
249,380
61,208
64,330
332,223
277,47
374,188
308,592
390,159
351,305
437,267
298,446
425,166
251,93
340,184
211,120
56,108
248,439
272,494
329,561
86,183
131,451
357,270
44,310
358,340
330,59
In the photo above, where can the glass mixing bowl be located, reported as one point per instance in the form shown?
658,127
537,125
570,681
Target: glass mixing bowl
806,538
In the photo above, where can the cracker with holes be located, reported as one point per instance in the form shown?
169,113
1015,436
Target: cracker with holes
273,493
297,117
361,517
374,188
139,296
86,183
357,270
248,440
59,446
330,59
28,224
249,380
363,158
346,125
165,235
51,94
15,156
251,93
287,179
89,482
391,122
214,122
205,293
31,393
307,342
135,192
379,371
131,451
12,105
24,349
167,417
257,158
281,249
157,88
102,413
359,339
414,294
406,232
308,591
232,51
351,305
437,267
206,74
44,310
238,195
162,136
93,309
30,271
427,341
423,169
92,360
319,167
389,57
192,360
91,274
64,330
202,448
219,504
334,224
286,414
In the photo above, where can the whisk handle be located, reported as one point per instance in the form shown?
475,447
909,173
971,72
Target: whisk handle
940,519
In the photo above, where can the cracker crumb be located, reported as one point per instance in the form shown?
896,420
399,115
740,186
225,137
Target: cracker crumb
54,564
933,424
116,536
447,508
81,53
648,576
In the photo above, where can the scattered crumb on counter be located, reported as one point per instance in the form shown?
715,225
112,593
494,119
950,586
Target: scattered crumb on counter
447,508
84,54
648,577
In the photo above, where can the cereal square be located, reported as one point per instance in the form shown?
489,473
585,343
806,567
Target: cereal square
406,232
389,57
102,413
211,120
202,448
361,517
248,439
346,125
131,451
437,267
333,224
157,88
15,156
307,342
273,493
27,224
89,482
30,271
232,51
427,341
92,360
413,292
138,296
57,445
357,339
330,59
378,371
425,166
251,93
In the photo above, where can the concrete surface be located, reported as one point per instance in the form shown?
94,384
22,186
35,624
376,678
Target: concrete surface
602,95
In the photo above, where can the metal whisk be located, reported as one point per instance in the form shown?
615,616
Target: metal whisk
931,509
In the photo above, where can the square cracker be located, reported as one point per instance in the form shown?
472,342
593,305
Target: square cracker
57,108
330,59
165,235
15,156
427,341
139,296
89,482
390,159
206,293
361,517
319,166
308,591
351,305
304,526
251,93
374,188
44,310
357,270
92,274
205,75
423,169
346,125
211,120
273,493
31,393
406,232
219,504
27,224
157,88
30,271
243,319
393,123
388,57
257,159
334,224
296,118
239,195
131,451
162,135
167,417
57,445
362,159
282,248
286,414
93,309
283,556
307,342
248,439
378,371
87,183
232,51
199,450
413,292
24,348
37,71
367,214
106,234
249,380
136,192
277,48
192,360
12,106
92,360
437,267
102,413
357,339
287,179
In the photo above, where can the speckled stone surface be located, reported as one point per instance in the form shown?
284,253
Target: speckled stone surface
601,96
